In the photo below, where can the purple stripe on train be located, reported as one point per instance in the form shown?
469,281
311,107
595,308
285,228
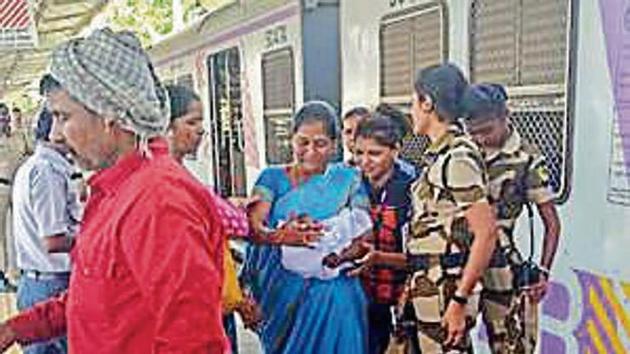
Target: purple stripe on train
616,26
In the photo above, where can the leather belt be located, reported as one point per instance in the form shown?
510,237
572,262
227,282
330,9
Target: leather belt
37,275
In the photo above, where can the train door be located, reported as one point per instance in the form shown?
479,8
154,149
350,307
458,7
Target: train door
226,122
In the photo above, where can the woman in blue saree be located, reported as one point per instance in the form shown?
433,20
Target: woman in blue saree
306,314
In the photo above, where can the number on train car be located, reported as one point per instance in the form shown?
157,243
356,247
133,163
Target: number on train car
276,37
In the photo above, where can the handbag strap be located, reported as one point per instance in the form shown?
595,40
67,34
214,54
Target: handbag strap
522,191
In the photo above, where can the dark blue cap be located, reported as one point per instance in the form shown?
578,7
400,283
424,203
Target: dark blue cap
444,84
484,101
44,125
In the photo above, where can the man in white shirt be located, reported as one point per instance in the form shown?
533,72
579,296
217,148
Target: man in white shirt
46,214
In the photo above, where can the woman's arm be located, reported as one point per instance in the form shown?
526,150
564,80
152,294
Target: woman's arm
480,218
481,221
549,216
297,231
257,215
375,257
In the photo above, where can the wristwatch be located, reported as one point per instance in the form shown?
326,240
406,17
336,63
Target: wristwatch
460,299
545,271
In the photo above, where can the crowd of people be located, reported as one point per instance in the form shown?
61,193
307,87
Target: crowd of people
372,254
11,120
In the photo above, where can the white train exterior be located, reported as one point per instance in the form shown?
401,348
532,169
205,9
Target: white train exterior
257,49
566,64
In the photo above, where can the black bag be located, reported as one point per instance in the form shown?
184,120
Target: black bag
526,274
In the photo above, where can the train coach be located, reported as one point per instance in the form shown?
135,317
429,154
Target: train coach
566,66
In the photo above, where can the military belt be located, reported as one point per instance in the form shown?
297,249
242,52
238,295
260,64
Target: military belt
423,262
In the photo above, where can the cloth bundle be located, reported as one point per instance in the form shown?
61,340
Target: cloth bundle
339,232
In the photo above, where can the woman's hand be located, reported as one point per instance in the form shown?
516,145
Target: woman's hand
454,322
332,261
250,313
369,259
7,337
298,231
244,202
356,250
538,291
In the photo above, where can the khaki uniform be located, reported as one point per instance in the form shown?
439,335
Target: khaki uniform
516,174
13,151
453,179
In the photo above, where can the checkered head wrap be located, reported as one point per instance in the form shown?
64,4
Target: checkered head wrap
112,75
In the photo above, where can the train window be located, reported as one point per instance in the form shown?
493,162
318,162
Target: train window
409,40
525,45
278,98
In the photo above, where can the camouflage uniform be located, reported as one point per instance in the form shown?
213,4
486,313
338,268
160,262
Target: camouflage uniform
516,174
453,179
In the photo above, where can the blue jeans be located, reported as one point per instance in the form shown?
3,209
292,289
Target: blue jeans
31,291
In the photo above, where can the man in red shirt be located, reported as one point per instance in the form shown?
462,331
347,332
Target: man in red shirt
147,263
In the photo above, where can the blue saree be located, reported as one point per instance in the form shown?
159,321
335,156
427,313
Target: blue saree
307,316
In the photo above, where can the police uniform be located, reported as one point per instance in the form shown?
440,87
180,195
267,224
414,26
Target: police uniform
453,179
517,175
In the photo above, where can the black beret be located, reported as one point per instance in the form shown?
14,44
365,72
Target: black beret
482,101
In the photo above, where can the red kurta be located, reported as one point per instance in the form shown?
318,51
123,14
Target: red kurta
146,275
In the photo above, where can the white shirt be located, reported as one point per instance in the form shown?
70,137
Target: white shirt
45,203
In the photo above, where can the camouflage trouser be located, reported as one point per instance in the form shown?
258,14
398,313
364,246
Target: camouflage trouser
510,317
430,292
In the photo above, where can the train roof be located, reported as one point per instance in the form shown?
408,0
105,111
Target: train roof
198,33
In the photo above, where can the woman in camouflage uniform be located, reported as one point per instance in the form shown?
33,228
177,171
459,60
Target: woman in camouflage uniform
453,228
517,177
